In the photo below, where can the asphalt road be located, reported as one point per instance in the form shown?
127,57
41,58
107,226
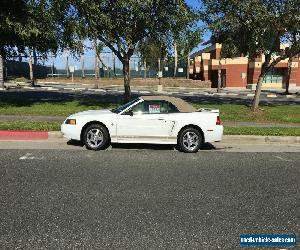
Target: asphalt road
133,199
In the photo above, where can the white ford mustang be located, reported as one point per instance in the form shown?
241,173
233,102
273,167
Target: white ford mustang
148,119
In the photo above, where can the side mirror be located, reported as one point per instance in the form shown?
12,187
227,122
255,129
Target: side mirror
129,112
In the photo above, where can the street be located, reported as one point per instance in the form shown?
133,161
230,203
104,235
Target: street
144,199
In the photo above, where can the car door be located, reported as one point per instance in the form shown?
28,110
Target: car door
147,121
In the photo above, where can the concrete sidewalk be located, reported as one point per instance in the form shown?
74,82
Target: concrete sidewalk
225,123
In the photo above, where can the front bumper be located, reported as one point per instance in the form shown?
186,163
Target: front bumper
71,131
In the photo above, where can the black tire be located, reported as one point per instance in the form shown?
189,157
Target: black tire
101,139
195,143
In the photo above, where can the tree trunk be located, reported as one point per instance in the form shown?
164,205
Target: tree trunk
175,59
114,64
145,69
35,59
20,57
288,77
126,73
82,64
264,70
67,67
96,67
158,64
96,72
31,69
96,64
159,71
188,66
1,71
219,77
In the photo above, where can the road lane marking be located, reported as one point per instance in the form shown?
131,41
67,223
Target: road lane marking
29,156
282,159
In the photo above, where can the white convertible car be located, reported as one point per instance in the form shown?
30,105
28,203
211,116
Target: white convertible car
148,119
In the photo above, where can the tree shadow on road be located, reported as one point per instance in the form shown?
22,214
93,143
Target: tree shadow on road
20,98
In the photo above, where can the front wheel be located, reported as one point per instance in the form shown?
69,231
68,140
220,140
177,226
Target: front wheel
96,137
190,140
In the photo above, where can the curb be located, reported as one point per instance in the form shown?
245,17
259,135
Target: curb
44,135
260,139
55,134
23,135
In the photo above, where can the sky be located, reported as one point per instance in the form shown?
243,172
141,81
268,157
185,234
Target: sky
60,60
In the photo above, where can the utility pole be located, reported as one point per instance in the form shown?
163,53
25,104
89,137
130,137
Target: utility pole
219,76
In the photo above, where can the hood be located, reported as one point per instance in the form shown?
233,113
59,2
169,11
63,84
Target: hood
92,113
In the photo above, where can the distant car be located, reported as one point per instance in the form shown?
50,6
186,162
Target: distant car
147,119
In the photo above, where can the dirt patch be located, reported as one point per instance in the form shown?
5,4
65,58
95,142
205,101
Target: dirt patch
167,82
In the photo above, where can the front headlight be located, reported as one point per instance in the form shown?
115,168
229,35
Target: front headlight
71,121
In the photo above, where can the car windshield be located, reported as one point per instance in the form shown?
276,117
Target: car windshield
123,107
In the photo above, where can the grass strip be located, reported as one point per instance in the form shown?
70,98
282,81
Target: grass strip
25,125
272,131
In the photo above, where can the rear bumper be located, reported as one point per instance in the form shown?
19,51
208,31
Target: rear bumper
214,134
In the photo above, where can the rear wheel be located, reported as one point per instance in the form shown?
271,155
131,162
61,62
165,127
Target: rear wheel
96,137
190,140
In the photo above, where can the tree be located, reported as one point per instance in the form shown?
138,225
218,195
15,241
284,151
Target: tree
255,27
121,25
189,38
12,14
40,34
151,52
28,27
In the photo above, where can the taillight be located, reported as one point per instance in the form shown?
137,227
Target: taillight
218,122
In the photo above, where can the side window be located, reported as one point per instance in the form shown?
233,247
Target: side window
172,108
139,108
151,107
154,107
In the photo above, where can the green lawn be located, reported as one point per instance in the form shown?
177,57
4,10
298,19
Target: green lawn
53,108
262,131
235,112
229,112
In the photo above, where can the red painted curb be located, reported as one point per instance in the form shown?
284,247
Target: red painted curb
23,135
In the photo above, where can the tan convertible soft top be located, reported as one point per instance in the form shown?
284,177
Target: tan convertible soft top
181,105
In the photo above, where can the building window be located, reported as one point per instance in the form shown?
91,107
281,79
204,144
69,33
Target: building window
275,75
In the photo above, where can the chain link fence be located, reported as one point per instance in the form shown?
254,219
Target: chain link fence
109,66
